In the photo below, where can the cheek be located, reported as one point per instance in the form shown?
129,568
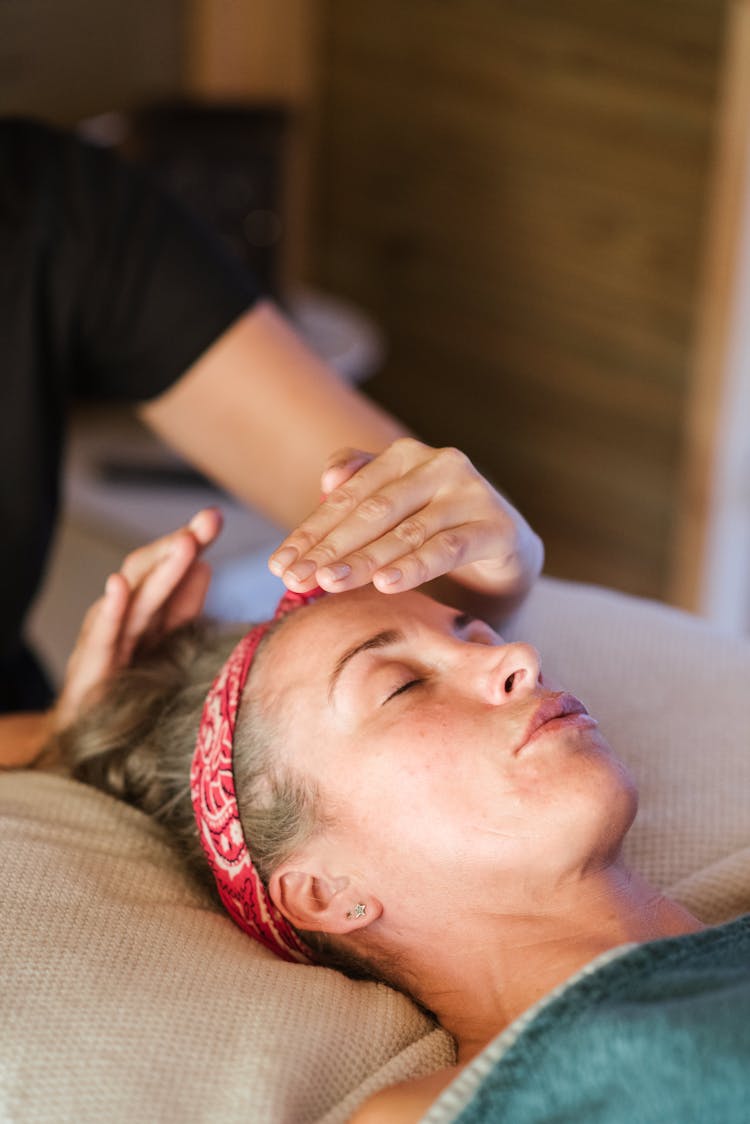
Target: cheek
438,775
400,791
432,767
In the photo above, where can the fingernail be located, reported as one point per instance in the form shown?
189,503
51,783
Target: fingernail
283,560
335,573
389,577
110,586
302,570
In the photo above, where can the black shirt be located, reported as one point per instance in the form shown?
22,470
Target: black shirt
108,290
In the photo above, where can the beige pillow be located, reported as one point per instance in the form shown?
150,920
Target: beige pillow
124,996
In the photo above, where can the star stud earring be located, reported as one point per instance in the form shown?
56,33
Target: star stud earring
359,911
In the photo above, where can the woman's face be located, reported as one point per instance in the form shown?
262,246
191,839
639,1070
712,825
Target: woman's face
441,752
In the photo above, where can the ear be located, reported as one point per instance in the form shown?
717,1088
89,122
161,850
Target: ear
317,901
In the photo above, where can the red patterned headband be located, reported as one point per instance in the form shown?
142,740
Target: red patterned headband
215,802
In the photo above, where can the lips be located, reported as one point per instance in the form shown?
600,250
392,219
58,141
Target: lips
554,706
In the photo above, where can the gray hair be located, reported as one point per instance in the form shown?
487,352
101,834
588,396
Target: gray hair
136,742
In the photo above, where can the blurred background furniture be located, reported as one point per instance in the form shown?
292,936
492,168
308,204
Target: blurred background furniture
541,207
711,558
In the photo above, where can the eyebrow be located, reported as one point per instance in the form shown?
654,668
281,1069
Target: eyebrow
381,640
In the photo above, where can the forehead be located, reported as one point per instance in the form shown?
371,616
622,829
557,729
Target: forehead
307,645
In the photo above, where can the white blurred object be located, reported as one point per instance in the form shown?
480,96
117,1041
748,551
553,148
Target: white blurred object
341,334
244,589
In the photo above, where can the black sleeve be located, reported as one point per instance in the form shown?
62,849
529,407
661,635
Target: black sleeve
129,289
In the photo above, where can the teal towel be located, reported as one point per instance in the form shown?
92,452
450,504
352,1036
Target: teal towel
660,1034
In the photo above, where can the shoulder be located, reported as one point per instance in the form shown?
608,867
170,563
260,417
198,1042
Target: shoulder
405,1103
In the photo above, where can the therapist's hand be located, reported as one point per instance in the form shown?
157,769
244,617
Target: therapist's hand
405,517
158,587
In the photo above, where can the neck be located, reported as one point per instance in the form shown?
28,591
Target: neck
510,962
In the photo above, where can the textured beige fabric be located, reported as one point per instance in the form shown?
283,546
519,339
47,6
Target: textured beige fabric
125,997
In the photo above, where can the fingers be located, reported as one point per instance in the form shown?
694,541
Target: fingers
359,496
411,514
160,574
95,655
151,595
437,535
159,587
101,625
421,507
203,528
186,603
436,541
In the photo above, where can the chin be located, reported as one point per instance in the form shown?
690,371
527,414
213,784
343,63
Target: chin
618,812
605,812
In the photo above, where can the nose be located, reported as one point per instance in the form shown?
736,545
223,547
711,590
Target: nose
509,673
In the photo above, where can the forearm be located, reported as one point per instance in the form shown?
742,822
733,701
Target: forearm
260,413
23,738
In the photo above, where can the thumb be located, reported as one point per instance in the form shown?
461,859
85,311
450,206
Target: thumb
342,466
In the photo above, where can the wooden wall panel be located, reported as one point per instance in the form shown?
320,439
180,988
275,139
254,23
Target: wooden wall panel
261,50
517,192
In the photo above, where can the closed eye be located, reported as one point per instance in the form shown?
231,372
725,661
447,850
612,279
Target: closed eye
404,687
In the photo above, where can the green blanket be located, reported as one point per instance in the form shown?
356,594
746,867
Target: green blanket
655,1035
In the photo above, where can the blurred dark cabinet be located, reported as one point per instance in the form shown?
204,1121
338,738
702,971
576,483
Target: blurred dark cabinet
225,164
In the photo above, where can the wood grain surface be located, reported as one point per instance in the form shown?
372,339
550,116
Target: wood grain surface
518,192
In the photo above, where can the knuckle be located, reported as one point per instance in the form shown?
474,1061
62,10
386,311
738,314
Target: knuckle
412,532
419,568
342,498
454,546
375,507
407,447
451,457
324,554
